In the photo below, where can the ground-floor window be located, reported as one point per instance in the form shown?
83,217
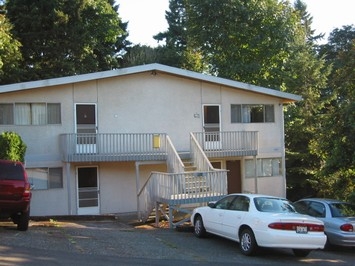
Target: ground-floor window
264,167
45,177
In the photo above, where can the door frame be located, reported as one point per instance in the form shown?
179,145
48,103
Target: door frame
215,144
90,144
94,210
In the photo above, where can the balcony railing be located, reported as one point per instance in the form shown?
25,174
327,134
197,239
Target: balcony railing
228,143
106,147
113,147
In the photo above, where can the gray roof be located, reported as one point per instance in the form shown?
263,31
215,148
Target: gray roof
287,97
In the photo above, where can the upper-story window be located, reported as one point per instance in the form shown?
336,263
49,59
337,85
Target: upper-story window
30,113
252,113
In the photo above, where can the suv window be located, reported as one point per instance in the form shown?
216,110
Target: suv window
9,171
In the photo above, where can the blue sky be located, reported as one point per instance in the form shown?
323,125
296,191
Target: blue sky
147,17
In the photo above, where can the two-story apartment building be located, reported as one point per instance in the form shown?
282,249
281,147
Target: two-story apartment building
119,141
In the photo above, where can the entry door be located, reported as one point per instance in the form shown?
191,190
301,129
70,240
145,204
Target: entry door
88,191
234,176
86,128
212,127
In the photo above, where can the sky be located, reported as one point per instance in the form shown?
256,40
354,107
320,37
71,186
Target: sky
147,17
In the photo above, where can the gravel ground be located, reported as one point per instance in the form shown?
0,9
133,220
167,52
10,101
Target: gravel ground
92,240
99,237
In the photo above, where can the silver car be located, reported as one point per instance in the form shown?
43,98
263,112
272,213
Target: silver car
338,218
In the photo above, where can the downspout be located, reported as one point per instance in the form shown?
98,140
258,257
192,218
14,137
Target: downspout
137,190
255,175
283,163
67,173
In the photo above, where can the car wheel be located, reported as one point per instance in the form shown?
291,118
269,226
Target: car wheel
199,229
247,242
301,252
23,221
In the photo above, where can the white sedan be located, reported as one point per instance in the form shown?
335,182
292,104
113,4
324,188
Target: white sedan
259,220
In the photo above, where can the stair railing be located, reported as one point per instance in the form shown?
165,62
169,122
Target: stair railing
175,165
160,184
198,156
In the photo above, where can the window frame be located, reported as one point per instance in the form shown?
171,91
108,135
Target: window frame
252,113
266,167
47,181
31,113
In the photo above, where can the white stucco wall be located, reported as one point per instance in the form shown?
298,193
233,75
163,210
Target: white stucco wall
139,103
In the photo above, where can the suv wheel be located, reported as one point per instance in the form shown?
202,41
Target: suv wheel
23,221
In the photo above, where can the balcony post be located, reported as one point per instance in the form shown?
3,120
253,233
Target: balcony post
255,174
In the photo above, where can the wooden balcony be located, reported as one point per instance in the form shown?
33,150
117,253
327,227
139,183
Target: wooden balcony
228,143
111,147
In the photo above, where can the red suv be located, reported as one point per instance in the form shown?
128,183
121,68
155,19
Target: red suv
15,193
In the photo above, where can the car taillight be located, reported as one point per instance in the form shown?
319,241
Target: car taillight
347,228
293,226
27,192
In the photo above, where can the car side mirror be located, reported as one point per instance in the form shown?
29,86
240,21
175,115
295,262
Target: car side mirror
211,205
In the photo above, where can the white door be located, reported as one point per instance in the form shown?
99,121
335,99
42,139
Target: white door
86,128
88,190
212,127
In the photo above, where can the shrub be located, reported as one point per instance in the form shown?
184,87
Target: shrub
12,147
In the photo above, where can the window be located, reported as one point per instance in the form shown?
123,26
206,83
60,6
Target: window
6,114
53,113
45,178
316,209
265,167
241,203
225,203
252,113
30,114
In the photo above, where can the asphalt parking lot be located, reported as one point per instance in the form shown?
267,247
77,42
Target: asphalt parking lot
116,242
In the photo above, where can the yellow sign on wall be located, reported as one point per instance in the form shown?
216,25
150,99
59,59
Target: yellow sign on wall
156,141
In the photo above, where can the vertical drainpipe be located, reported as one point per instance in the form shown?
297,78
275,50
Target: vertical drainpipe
67,173
283,162
255,174
137,190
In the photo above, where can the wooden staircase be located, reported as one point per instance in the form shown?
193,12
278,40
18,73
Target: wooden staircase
189,183
194,181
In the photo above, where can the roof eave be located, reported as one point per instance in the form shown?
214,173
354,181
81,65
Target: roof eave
286,97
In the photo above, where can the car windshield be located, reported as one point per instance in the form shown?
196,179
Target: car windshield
342,209
276,205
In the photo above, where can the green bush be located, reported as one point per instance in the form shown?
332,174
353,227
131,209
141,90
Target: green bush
12,147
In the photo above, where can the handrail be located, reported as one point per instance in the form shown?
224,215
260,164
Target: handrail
164,187
199,157
174,162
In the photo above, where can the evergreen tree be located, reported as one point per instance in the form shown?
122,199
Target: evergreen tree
306,75
66,37
337,139
10,54
175,39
